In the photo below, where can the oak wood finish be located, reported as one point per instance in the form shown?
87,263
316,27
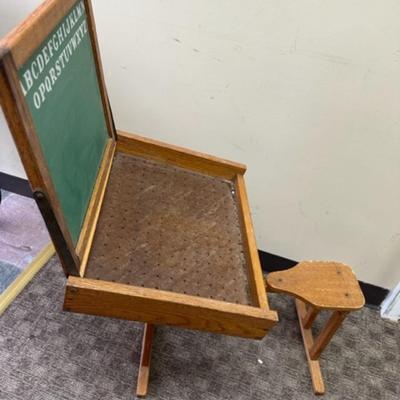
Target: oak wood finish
319,285
111,299
84,244
21,126
310,316
145,358
161,307
324,284
327,333
181,157
251,252
313,365
173,229
26,37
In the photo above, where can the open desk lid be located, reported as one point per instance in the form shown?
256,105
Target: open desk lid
54,99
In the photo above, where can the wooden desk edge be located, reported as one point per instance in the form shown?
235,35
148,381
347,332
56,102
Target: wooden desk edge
86,236
162,307
255,276
204,163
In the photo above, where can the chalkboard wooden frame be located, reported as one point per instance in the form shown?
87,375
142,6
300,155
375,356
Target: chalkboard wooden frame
101,297
15,49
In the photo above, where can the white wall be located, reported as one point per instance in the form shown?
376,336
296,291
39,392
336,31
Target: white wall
11,13
306,93
9,159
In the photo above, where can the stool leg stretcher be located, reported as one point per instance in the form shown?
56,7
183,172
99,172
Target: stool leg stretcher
327,333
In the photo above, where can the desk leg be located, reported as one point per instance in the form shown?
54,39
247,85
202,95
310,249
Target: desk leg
144,368
313,365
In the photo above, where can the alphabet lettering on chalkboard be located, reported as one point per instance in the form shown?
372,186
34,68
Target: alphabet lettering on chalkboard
38,69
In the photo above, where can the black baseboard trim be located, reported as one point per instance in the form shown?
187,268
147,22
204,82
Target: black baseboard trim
374,295
271,262
14,184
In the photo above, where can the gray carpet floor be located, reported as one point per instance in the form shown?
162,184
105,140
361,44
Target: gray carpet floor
48,354
8,273
22,235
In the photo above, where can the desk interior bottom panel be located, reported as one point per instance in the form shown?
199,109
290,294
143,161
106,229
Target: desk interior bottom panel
169,228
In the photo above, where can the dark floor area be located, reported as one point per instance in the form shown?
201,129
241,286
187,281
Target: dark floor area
49,354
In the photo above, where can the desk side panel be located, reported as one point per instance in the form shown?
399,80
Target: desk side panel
166,308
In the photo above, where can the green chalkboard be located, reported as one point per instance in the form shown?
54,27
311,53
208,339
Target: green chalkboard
60,85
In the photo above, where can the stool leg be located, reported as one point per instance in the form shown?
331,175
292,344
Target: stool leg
310,316
313,365
327,332
144,368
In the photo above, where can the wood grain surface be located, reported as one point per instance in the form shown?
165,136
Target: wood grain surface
85,241
145,361
165,227
313,365
256,279
160,307
179,156
323,284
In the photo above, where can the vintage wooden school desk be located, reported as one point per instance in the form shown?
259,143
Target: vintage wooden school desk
145,231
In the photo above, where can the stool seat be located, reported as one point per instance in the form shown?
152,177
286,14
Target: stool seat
322,284
319,285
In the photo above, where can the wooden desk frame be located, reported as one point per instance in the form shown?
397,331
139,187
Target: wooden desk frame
162,307
108,298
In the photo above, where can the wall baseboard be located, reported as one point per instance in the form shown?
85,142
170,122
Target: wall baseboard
374,295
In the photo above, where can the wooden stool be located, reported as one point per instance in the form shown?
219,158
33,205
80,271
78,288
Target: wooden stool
319,285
